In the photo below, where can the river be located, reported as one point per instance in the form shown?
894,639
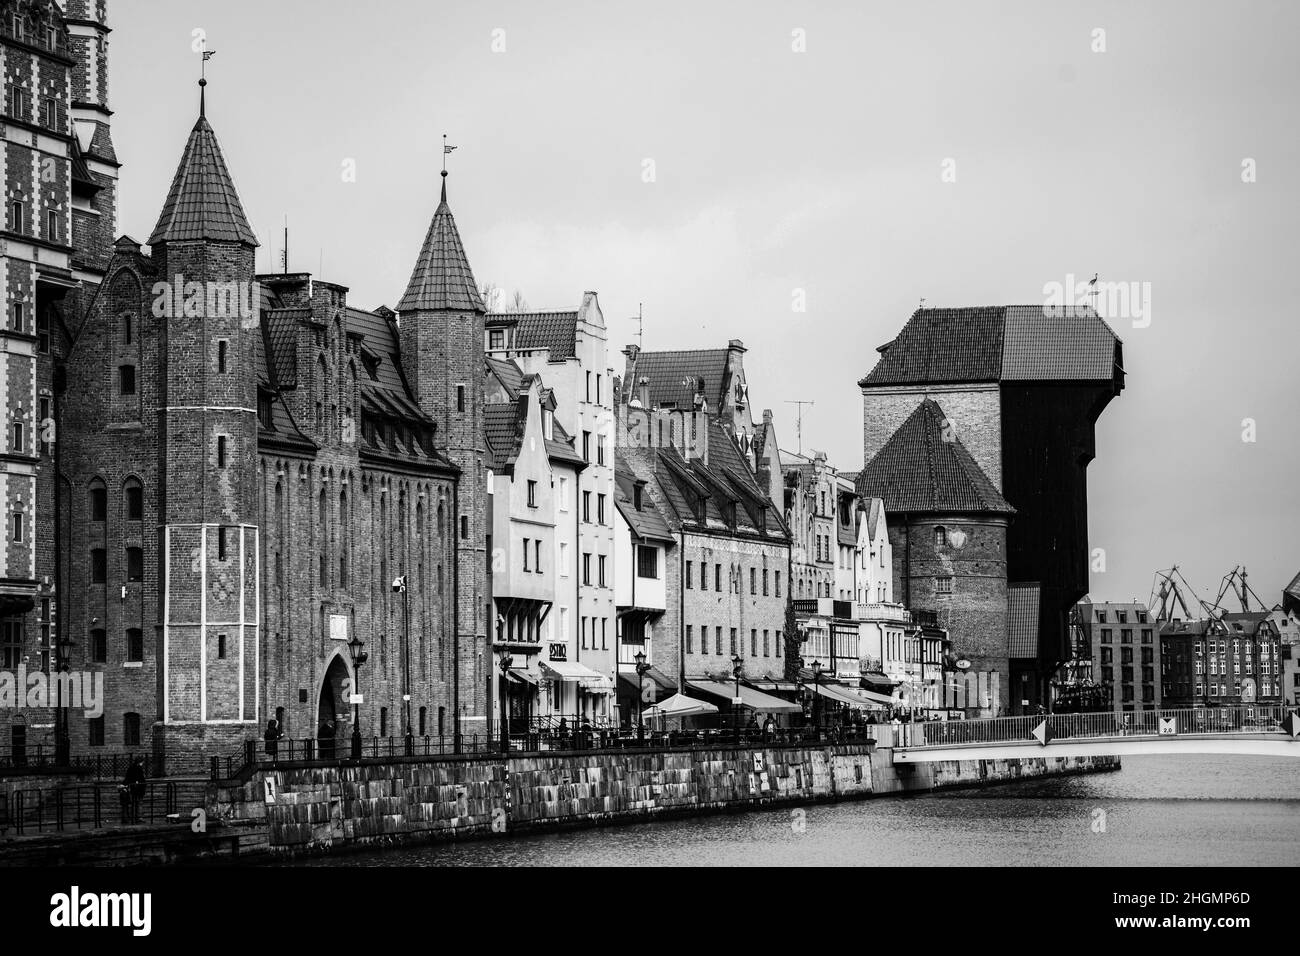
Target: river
1166,810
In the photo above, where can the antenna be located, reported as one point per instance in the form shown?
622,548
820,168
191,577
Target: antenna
798,428
284,255
639,319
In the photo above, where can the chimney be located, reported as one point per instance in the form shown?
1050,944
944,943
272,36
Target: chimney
629,371
643,391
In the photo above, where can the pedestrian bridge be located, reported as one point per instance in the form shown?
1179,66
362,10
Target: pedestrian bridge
1261,731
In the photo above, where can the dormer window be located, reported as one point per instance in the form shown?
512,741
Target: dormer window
636,497
496,338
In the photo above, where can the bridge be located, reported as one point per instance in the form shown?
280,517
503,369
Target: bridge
1261,731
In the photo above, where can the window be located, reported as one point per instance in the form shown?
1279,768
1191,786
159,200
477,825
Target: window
690,639
734,649
717,640
52,225
16,218
588,398
496,338
586,506
17,321
586,446
526,567
126,379
586,567
1105,635
597,388
221,451
16,443
11,643
753,642
766,646
1146,634
383,721
778,583
1125,634
98,646
600,509
704,576
134,644
690,575
765,582
1101,617
134,501
222,345
647,563
17,525
135,564
460,398
600,560
95,729
537,554
98,566
221,646
943,585
584,633
776,644
564,558
126,329
564,494
717,577
532,494
604,638
600,449
753,581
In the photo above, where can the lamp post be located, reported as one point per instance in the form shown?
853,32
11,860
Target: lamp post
63,662
641,668
737,668
817,706
504,662
357,651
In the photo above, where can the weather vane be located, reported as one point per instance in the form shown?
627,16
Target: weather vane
445,150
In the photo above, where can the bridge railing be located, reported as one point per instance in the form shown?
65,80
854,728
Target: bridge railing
1199,720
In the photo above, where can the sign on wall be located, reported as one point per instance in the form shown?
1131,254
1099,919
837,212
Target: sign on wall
339,627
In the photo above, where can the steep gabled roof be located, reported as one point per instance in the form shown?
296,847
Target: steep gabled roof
1010,343
557,331
202,203
441,279
917,470
646,521
1291,594
507,372
673,376
503,427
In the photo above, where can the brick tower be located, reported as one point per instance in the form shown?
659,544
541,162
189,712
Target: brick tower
441,319
203,249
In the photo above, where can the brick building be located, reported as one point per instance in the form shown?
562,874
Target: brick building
1233,661
1122,643
60,174
258,473
1020,386
947,533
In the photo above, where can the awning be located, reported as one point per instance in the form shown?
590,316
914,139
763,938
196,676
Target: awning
785,686
520,676
878,698
679,706
580,674
874,680
653,675
850,696
749,697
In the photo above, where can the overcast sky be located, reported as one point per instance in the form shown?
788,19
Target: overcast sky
821,170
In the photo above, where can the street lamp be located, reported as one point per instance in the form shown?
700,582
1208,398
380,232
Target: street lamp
641,668
357,651
737,668
504,662
62,662
817,704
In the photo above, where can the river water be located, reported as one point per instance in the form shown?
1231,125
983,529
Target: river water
1166,810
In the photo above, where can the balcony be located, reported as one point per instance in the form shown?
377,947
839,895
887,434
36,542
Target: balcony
823,607
882,612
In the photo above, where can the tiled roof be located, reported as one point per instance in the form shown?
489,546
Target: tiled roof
507,372
673,376
503,427
999,344
441,279
647,522
202,202
282,330
560,448
1022,620
918,471
1250,621
556,331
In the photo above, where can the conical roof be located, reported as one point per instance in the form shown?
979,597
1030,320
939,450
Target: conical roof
202,203
441,279
925,468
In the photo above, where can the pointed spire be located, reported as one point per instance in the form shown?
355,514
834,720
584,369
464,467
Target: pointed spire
442,279
203,104
202,202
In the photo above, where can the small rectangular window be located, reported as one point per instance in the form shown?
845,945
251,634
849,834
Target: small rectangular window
537,554
98,646
690,639
690,580
532,494
526,567
131,730
52,225
17,320
221,451
18,526
134,564
221,356
17,445
98,565
460,398
134,644
648,562
95,729
221,544
16,217
126,379
221,645
134,503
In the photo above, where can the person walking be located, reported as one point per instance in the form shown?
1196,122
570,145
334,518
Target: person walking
272,737
135,786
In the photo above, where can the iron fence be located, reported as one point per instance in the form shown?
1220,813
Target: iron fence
85,807
41,759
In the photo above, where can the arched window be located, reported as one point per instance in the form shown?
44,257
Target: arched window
940,536
133,499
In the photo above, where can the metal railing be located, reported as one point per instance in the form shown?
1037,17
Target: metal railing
41,759
1258,719
86,807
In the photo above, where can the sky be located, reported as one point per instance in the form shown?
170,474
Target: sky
800,176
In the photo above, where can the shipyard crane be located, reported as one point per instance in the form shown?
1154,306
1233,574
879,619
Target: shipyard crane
1166,588
1236,581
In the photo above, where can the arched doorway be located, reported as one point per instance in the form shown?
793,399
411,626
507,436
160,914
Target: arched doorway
332,709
